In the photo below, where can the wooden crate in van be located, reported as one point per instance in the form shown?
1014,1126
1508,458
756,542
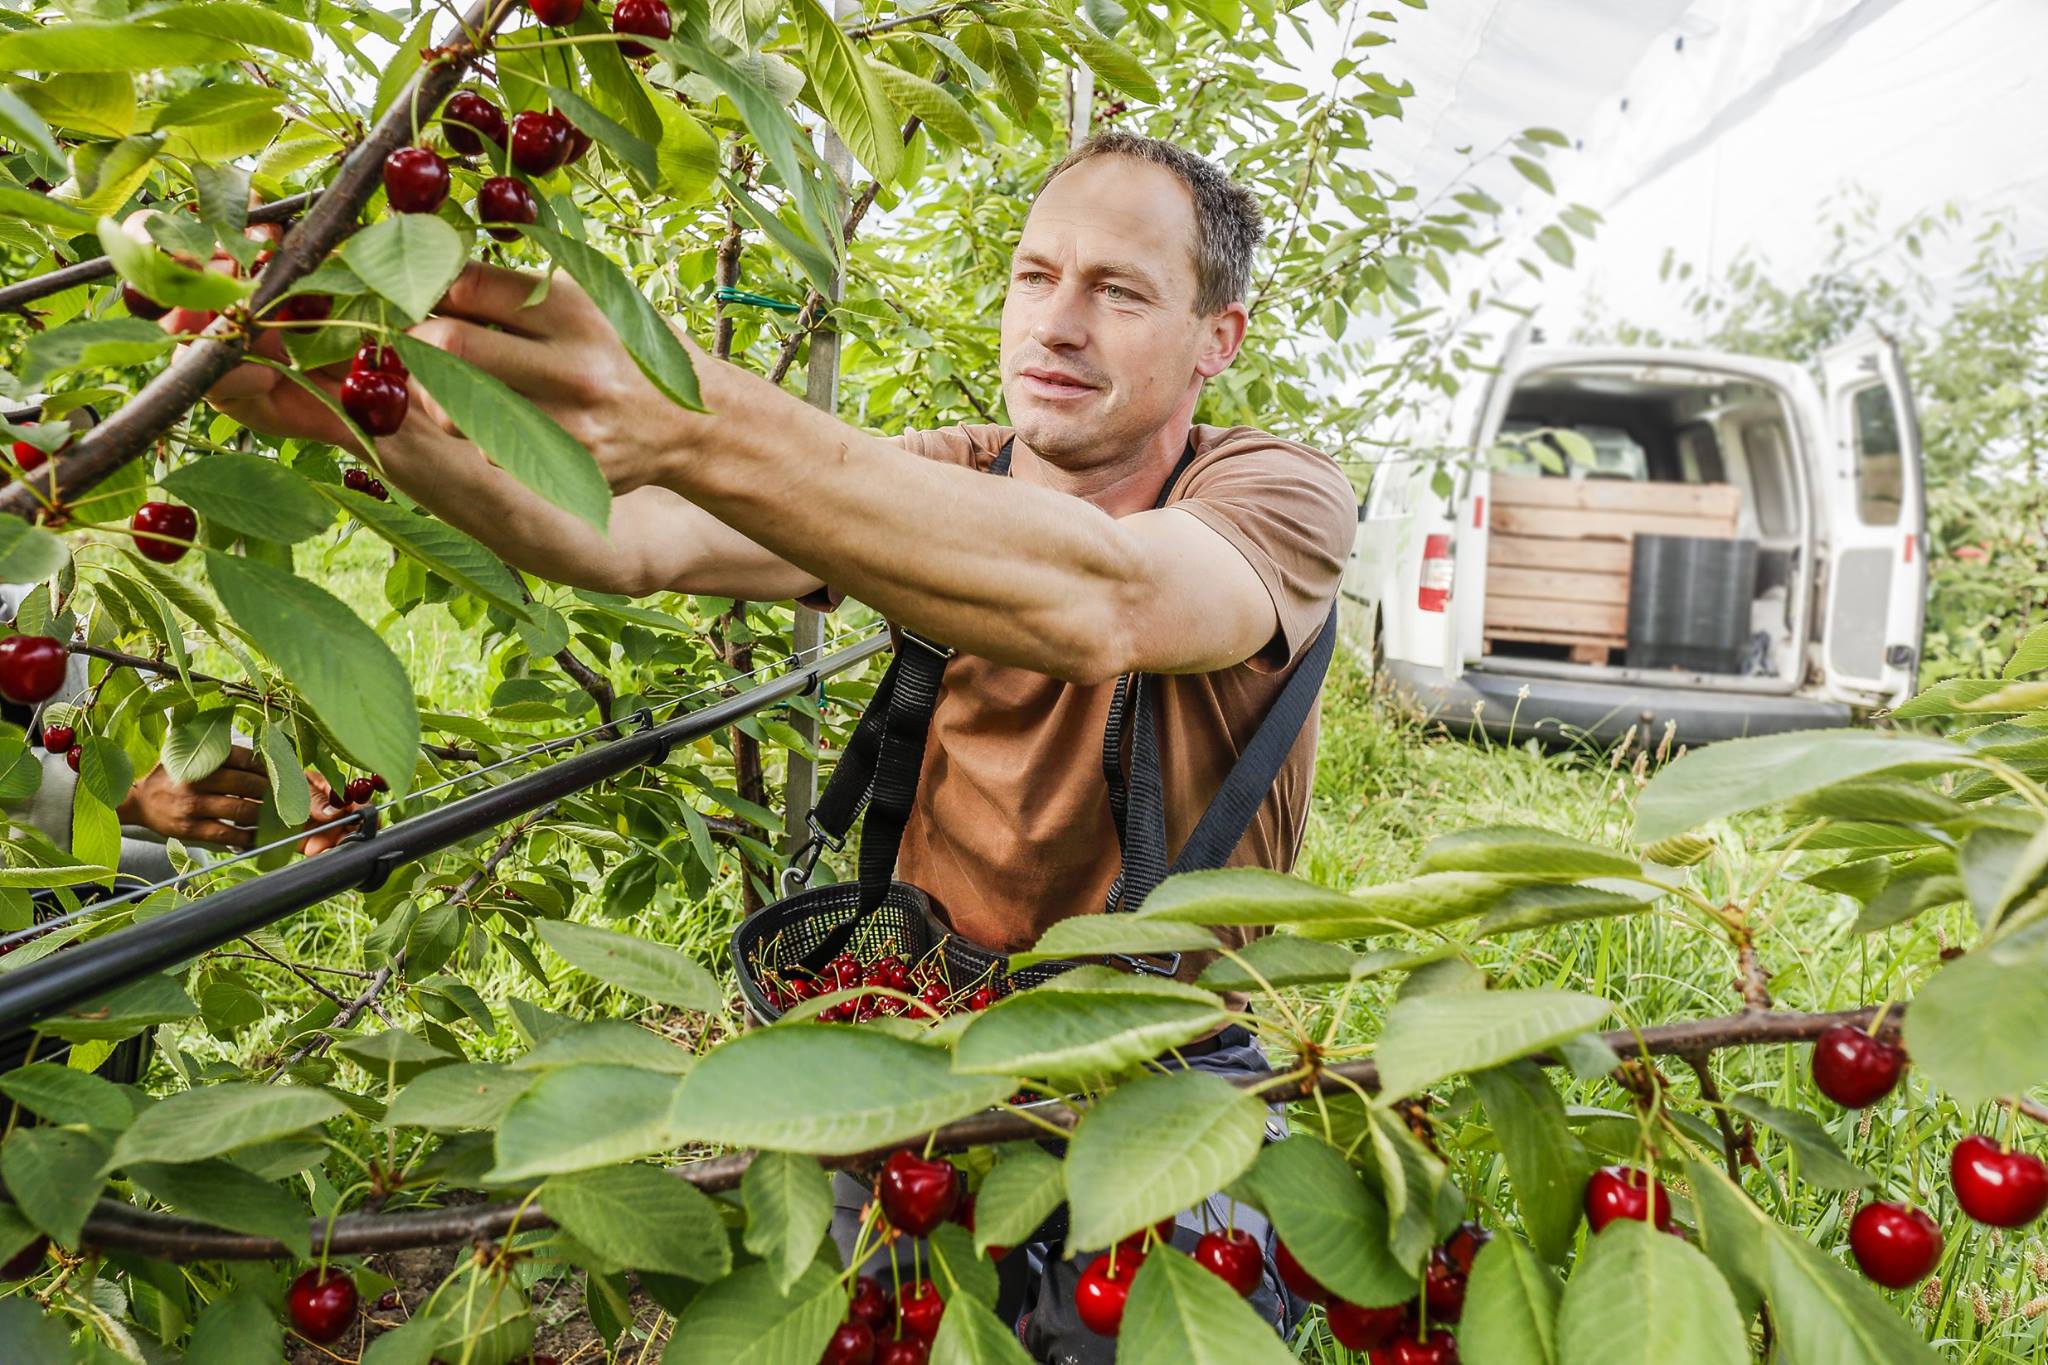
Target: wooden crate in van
1557,560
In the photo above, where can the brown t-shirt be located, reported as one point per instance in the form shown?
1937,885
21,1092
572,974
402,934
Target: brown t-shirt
1012,827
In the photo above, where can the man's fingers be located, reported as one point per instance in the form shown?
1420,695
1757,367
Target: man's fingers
526,365
234,782
215,832
493,294
240,809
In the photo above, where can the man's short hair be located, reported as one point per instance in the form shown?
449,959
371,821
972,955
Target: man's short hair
1228,224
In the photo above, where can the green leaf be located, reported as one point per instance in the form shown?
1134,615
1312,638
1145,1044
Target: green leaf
1546,906
642,1218
1430,1038
123,1011
105,770
647,337
1973,1053
109,47
448,552
616,1042
1743,774
1096,935
1016,1197
2030,655
745,1320
549,1130
195,748
163,279
516,435
237,22
1534,173
1245,895
32,207
19,123
195,1124
626,146
1825,1314
1877,798
66,1096
1905,897
1732,1232
933,104
288,786
1073,1034
409,258
1511,1302
225,1195
1527,853
1643,1297
29,554
252,495
824,1089
1821,1162
970,1334
380,1053
848,91
451,1098
1546,1161
1181,1314
109,343
1331,1223
1116,64
817,263
1154,1147
1279,961
635,964
342,668
788,1200
1411,1180
33,1337
238,1328
54,1177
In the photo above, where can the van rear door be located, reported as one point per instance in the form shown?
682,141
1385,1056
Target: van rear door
1874,507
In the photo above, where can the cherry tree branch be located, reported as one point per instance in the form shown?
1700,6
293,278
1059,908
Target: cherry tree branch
132,430
115,1226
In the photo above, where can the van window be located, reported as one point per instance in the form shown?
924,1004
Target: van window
1615,453
1879,469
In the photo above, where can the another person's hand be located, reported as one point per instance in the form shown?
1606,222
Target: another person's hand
220,808
327,808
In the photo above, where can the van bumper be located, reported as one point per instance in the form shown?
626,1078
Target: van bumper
1512,707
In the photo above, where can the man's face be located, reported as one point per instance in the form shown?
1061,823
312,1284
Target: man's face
1101,341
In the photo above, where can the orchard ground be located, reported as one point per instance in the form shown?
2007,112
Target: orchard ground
1384,787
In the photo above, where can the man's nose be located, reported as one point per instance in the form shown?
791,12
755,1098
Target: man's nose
1062,321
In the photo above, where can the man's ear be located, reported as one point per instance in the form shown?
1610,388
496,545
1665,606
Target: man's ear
1222,334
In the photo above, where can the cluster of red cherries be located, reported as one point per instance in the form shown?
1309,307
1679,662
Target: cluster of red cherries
916,1196
1894,1243
893,986
163,530
361,480
373,395
1403,1333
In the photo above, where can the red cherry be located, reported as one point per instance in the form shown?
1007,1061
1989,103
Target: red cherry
164,519
1366,1329
853,1343
374,400
30,457
2004,1189
376,359
1232,1257
415,180
141,305
870,1303
642,19
26,1261
31,668
983,997
377,490
76,754
556,13
540,142
1443,1287
378,784
1298,1281
468,119
1441,1348
579,141
1625,1192
1854,1069
502,199
1100,1294
356,479
1896,1244
919,1309
904,1351
918,1195
57,738
1462,1246
305,308
358,790
322,1307
387,1301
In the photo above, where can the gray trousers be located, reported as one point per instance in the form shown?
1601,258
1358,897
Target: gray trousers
1037,1279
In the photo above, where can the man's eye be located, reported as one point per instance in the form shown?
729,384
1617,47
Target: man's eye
1115,291
1030,276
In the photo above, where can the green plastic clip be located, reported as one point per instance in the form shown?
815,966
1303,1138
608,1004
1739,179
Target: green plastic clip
727,294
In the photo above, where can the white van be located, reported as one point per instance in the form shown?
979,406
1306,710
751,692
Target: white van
1732,550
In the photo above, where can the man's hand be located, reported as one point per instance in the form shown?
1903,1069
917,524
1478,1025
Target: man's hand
219,808
327,808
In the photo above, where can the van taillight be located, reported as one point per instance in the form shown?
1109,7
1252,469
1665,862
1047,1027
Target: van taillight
1437,566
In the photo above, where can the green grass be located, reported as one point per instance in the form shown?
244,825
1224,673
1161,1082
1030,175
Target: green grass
1385,786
